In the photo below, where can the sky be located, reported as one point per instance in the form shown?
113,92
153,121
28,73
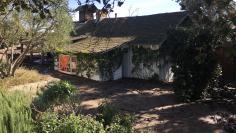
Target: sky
137,8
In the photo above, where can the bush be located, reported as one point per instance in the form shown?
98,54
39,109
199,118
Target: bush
121,124
52,123
113,120
194,62
15,113
107,113
117,128
56,94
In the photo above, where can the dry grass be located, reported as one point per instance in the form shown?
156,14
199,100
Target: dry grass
23,76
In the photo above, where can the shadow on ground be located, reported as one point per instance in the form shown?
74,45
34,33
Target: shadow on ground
154,105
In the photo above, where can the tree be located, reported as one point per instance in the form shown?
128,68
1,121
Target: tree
107,5
194,55
31,30
35,6
217,15
194,63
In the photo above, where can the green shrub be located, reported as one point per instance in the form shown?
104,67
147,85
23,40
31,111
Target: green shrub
122,123
194,62
117,128
109,119
56,93
113,120
48,123
107,113
51,123
15,113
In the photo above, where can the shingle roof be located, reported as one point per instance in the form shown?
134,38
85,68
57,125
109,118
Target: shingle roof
143,30
97,44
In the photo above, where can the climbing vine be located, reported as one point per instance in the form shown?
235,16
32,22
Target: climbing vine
144,55
148,58
102,63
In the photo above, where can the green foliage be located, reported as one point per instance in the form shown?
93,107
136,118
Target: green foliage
39,6
56,93
87,63
146,61
107,113
62,30
219,90
150,56
103,63
109,120
32,31
121,124
194,62
51,123
15,113
113,120
216,15
3,69
107,5
117,128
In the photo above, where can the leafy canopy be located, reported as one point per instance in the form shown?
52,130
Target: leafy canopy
217,15
31,30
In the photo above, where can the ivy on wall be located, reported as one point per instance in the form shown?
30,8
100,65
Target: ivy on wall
105,64
102,63
144,55
147,57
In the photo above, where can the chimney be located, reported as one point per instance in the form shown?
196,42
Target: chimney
86,12
115,15
101,14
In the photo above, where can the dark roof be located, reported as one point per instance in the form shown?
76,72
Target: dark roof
143,30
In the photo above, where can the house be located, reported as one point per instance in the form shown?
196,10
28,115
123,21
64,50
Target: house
126,47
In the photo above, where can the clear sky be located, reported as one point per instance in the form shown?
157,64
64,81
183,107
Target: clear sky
138,7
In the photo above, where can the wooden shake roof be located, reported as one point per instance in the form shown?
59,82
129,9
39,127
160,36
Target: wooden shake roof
114,32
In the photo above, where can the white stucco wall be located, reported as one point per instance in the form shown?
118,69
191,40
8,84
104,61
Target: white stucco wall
118,73
94,76
165,72
161,67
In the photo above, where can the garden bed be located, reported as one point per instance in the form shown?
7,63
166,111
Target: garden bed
154,105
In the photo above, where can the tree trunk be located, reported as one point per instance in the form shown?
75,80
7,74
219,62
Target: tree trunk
227,63
14,64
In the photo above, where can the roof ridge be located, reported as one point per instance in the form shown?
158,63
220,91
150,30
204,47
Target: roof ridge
166,13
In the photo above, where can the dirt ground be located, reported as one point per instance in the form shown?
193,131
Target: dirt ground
154,105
